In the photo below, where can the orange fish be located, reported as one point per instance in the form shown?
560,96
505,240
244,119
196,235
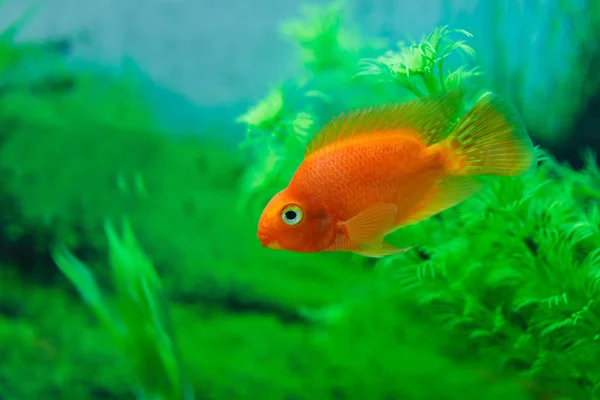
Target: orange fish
373,170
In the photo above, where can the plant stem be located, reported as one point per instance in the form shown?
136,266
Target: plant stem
431,83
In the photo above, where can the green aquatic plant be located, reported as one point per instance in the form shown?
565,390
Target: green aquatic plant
49,347
275,136
139,320
515,271
326,42
330,48
386,327
419,66
39,119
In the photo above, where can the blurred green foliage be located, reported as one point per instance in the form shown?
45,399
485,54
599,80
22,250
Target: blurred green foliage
141,323
515,271
497,301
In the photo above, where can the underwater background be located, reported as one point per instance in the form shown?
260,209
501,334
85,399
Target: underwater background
140,141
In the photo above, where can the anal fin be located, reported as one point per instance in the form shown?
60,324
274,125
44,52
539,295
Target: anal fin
378,250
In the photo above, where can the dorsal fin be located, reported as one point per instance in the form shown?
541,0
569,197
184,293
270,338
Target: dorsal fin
432,117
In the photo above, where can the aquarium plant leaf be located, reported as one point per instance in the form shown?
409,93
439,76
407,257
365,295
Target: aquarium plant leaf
83,279
8,51
140,322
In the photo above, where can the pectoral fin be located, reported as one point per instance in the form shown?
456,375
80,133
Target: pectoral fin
371,224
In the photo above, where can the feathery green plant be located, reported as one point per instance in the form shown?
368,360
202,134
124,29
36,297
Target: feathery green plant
419,67
516,271
139,322
276,134
324,44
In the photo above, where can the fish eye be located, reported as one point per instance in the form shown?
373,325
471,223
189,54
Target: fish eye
292,214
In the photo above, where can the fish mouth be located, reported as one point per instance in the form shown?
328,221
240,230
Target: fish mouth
266,241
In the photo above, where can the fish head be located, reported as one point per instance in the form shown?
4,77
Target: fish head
294,223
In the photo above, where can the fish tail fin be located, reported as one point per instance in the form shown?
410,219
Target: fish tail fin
490,139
